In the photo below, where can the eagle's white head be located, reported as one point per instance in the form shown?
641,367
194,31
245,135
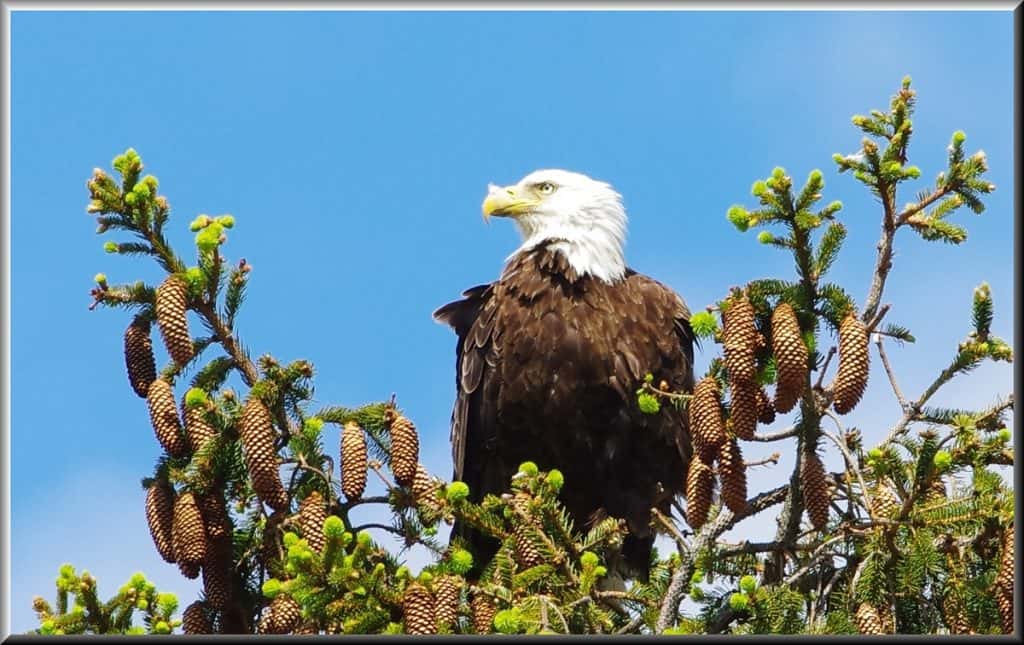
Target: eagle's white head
583,217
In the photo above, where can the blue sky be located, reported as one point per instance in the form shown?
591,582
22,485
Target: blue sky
354,150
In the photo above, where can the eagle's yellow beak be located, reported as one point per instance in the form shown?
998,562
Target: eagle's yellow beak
505,202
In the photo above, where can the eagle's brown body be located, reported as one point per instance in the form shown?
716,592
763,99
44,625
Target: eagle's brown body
548,364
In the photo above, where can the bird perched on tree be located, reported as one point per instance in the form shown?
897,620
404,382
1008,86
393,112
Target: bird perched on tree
549,359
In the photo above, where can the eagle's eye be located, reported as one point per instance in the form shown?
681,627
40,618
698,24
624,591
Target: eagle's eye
545,188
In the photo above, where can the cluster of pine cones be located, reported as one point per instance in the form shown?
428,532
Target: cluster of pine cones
716,439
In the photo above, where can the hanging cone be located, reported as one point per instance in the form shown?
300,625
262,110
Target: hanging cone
195,621
790,354
160,517
171,301
814,486
217,566
197,429
215,514
282,616
705,416
1004,579
852,377
1004,600
765,408
483,613
188,535
424,489
257,432
353,461
700,486
740,339
163,416
418,606
526,551
446,593
954,615
405,448
868,620
743,409
733,474
138,356
936,491
884,502
311,520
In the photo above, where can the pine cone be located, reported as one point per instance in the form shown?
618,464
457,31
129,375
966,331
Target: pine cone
188,535
424,488
1004,600
765,409
217,565
305,628
884,502
705,416
526,551
446,593
483,613
814,486
852,377
257,433
733,474
197,429
405,448
868,620
160,517
790,357
163,415
700,486
215,514
138,356
740,339
1004,579
195,621
743,409
311,520
936,491
353,461
418,605
282,616
954,616
171,300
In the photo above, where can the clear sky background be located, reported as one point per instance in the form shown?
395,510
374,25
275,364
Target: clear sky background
354,151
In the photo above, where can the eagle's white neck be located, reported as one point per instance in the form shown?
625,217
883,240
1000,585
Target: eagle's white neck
591,237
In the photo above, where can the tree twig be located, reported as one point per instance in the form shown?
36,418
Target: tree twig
888,370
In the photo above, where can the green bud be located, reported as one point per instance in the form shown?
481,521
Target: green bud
131,198
461,561
333,527
875,453
748,584
589,559
696,593
765,237
364,539
110,246
161,627
912,171
942,460
457,491
195,278
815,176
313,426
508,621
426,577
959,137
704,324
195,397
555,479
402,572
1004,434
778,172
167,602
227,221
648,403
697,577
528,468
738,601
759,188
290,539
739,217
101,279
208,238
142,604
600,571
199,223
47,626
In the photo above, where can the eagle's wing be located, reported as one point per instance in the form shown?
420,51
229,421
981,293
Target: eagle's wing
473,321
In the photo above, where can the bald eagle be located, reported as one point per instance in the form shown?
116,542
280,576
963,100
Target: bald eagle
549,358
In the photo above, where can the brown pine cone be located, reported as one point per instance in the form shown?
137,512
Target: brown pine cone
765,408
160,517
197,429
215,514
700,487
743,409
815,488
424,489
733,474
188,535
163,415
936,491
790,354
353,461
305,628
138,356
217,565
1004,579
283,615
852,376
1004,600
311,520
171,300
418,606
705,416
446,593
526,551
405,448
740,339
868,621
195,621
258,435
483,613
884,502
954,615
